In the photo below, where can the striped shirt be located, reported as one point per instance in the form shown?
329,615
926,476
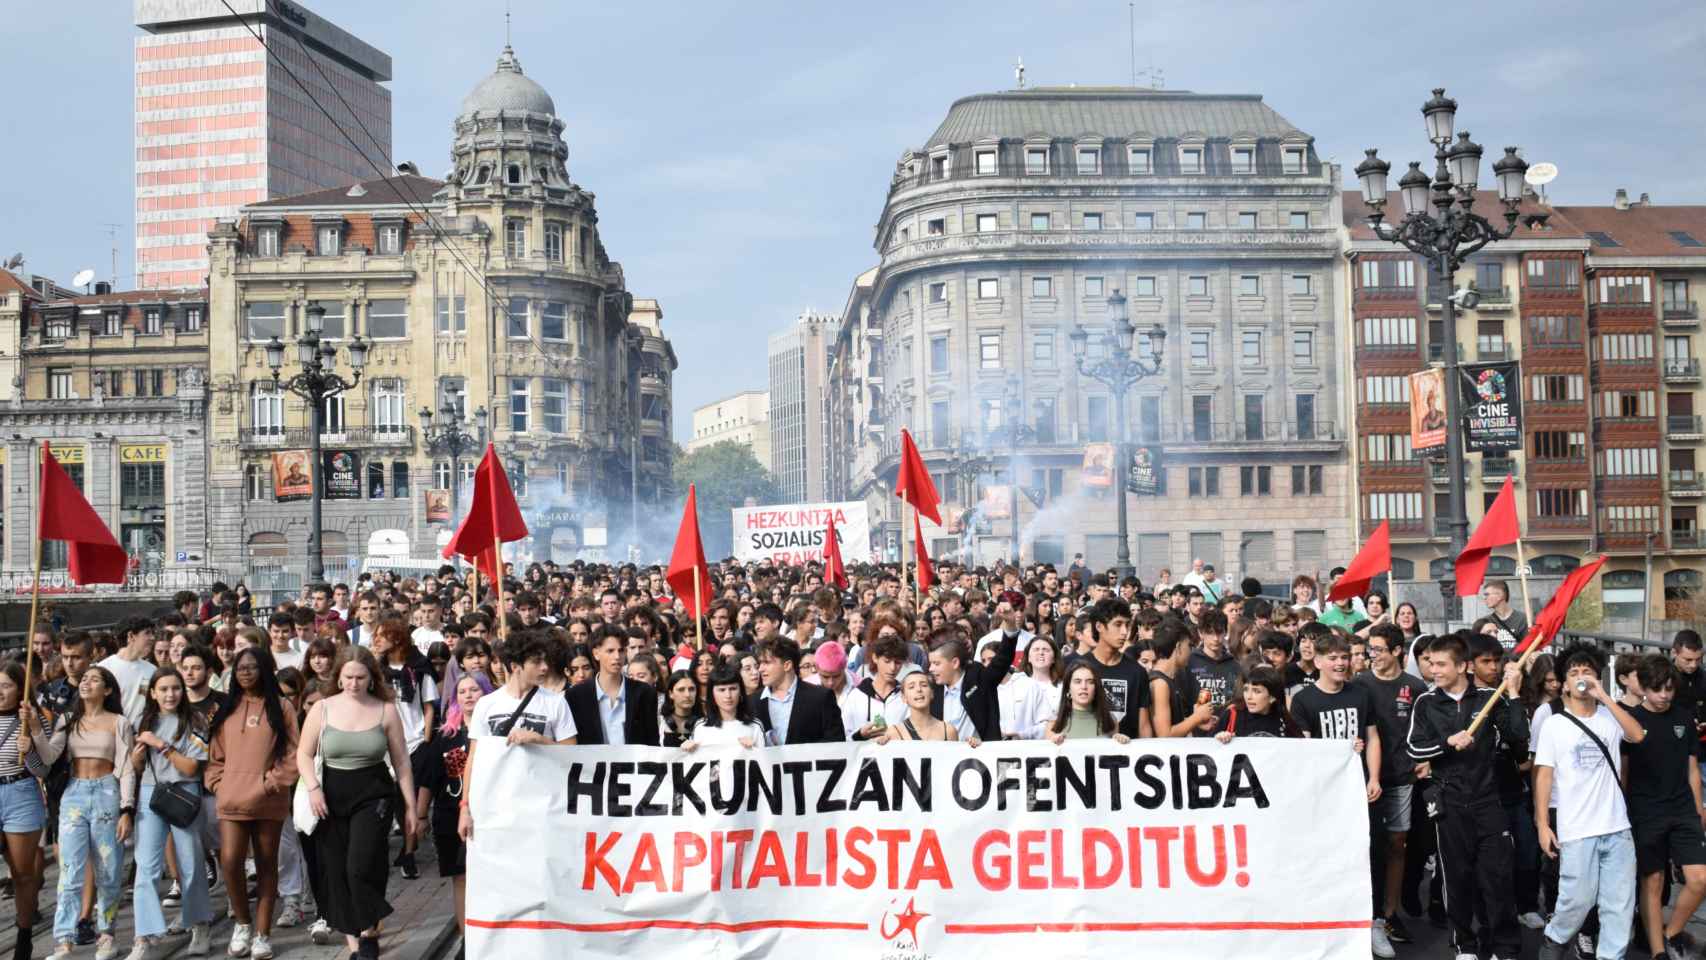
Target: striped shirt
10,764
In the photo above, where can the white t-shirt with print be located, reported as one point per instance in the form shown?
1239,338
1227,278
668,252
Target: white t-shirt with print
546,713
1590,801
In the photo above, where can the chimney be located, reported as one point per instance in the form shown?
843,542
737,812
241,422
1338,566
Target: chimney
1621,201
1646,201
103,287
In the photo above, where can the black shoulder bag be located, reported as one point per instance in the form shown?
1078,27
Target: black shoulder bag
178,802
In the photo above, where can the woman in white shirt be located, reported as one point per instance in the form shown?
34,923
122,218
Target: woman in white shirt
1027,706
729,721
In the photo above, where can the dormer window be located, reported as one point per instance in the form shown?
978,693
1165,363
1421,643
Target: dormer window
1138,160
112,323
513,174
1190,159
1293,160
482,176
986,165
328,240
267,241
192,320
1036,161
389,238
939,167
151,319
1089,161
1243,159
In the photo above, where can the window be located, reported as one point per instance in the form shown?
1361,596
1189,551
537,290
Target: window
1555,273
151,320
1631,461
1190,160
1301,285
1092,221
1550,502
936,227
335,321
1036,160
1243,159
1627,404
585,250
1097,419
390,413
554,242
988,288
1203,481
1202,413
515,237
1149,419
112,325
264,320
1255,424
1303,405
1200,348
1305,480
938,354
1303,348
1144,287
941,423
452,315
1093,286
1143,221
520,400
1555,388
1089,161
389,239
556,406
1250,285
1246,221
1554,330
1675,293
1045,419
1387,274
1559,445
986,166
400,480
1395,506
938,293
554,320
1196,221
1387,447
1625,290
375,480
989,351
59,383
520,327
266,410
257,481
1292,161
938,168
1137,160
1255,481
987,222
453,393
332,416
1489,276
148,383
1039,221
387,319
192,320
563,478
1389,331
1388,391
1627,347
1251,349
1042,286
328,240
266,242
1299,220
1198,286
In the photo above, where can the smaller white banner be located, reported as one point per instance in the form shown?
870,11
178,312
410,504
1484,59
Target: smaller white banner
794,533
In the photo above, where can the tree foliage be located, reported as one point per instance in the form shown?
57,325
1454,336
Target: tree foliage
724,474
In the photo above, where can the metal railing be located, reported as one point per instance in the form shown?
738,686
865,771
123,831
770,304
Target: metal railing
1682,423
1685,539
1498,466
398,436
1681,312
1685,481
1682,368
163,581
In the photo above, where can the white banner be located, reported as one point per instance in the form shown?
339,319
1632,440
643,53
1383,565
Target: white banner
1162,848
793,534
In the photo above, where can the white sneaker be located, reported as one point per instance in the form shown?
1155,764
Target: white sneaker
1467,956
241,934
140,950
1531,920
261,949
320,932
106,948
291,914
199,941
1382,942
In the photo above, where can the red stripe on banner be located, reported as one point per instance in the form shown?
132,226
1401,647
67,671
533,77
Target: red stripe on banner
1154,927
627,926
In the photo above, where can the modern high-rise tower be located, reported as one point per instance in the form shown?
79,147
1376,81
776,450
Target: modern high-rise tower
220,123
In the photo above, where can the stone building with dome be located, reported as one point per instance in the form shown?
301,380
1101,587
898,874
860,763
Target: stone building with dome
488,293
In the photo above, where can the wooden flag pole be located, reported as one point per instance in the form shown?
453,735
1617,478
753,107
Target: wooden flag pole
1522,665
35,601
1521,668
1522,574
698,612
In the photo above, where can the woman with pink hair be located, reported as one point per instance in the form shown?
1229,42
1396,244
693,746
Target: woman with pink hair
438,778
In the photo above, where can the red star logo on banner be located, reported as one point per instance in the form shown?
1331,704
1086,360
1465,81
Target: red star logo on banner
906,920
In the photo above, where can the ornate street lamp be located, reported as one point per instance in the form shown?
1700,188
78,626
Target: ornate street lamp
1018,432
1119,371
448,435
317,382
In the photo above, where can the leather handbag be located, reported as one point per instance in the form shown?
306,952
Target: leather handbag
178,803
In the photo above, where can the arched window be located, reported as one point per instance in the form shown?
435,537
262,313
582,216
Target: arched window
1624,594
513,174
482,175
268,549
1501,566
1440,567
1682,587
1403,569
1554,564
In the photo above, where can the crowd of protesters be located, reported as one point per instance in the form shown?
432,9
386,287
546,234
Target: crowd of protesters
278,750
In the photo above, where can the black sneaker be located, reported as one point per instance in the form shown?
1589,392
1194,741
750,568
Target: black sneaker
1584,946
1436,914
1396,930
407,863
86,932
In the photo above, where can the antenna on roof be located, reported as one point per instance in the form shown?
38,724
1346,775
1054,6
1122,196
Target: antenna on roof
1131,30
1019,71
112,235
506,23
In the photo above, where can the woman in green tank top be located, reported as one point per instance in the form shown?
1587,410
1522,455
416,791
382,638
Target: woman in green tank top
1083,713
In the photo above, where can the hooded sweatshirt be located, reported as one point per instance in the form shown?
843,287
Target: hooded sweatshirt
241,774
1220,677
862,705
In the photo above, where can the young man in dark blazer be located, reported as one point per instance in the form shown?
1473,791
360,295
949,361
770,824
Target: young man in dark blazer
973,708
610,708
789,710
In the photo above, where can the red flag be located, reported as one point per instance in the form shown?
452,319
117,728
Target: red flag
913,483
926,574
1373,559
1498,527
833,571
95,556
1551,619
493,516
687,561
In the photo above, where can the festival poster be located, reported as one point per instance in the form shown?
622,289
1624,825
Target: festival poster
996,503
291,478
437,505
1492,407
341,472
1098,465
1166,849
1143,474
1427,409
793,534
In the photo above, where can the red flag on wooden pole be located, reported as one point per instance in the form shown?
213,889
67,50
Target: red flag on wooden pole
688,575
1498,528
833,571
913,483
1552,616
493,518
1374,559
94,554
926,573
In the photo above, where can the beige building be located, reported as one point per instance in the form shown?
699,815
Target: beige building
487,291
743,418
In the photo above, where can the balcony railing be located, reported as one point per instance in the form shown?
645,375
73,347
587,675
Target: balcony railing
1680,315
1244,431
1682,368
1437,471
1493,468
1683,426
1486,352
1386,291
1685,483
398,436
1687,539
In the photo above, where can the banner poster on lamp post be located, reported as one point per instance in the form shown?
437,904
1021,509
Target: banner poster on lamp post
1427,410
1492,407
1143,474
341,470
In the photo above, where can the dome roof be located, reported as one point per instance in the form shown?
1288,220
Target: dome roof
508,89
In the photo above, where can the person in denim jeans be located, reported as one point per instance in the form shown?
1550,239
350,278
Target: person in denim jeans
93,822
1579,749
22,812
171,748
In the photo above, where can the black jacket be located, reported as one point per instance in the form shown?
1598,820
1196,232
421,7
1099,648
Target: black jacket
815,718
1465,777
978,686
640,718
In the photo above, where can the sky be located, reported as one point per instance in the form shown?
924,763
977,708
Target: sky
740,152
